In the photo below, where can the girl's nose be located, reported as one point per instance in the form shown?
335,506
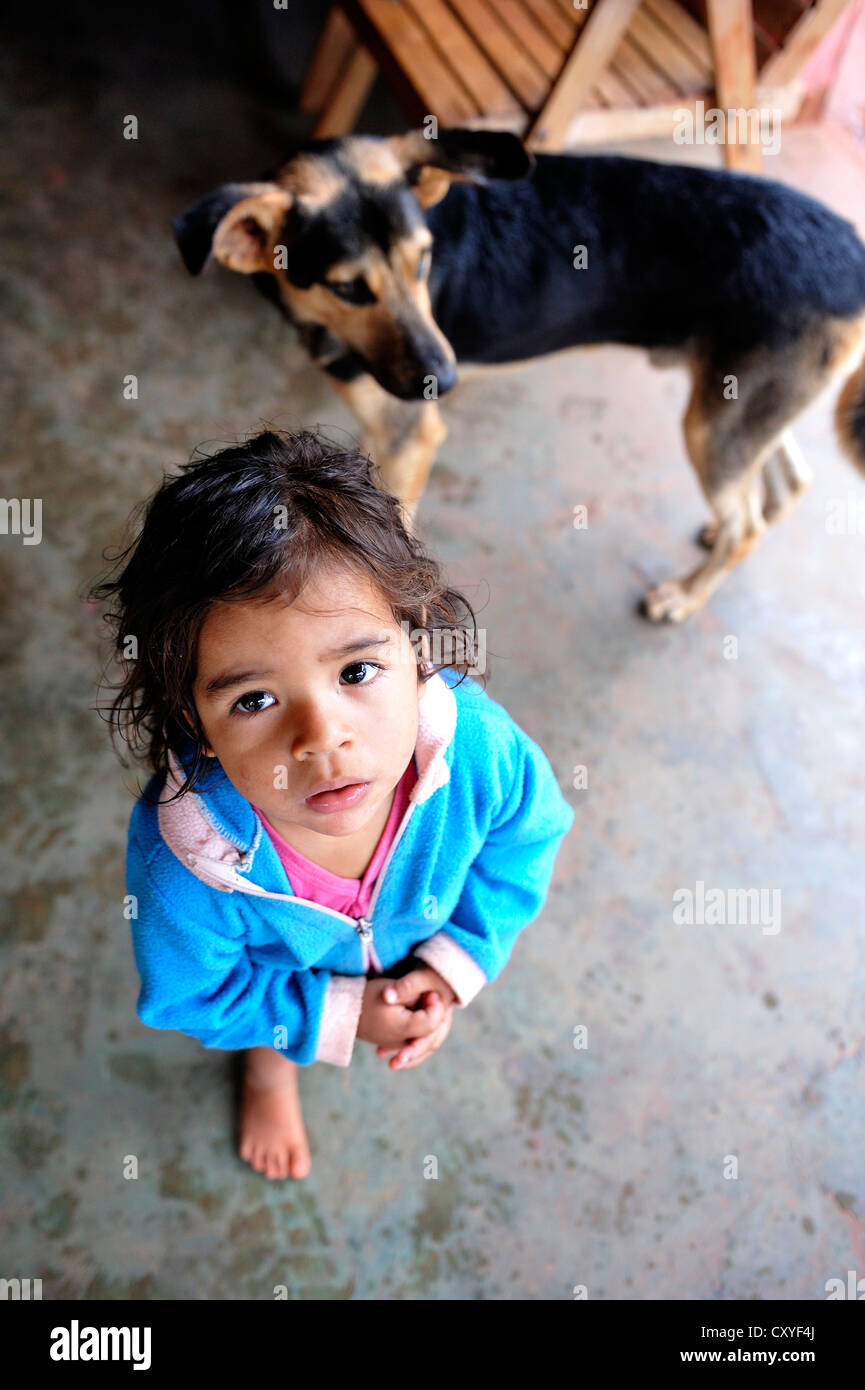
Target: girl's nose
317,731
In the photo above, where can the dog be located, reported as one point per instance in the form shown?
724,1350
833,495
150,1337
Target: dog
398,257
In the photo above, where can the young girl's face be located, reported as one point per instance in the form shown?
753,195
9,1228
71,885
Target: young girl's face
321,690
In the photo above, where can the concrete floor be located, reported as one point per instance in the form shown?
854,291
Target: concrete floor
557,1167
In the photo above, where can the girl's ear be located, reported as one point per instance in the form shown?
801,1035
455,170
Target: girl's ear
424,648
422,655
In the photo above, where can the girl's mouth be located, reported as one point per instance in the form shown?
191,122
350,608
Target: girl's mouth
338,800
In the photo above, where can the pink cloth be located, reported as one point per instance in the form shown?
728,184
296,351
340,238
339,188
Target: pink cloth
348,895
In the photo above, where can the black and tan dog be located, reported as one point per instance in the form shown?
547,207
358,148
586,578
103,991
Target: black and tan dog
397,257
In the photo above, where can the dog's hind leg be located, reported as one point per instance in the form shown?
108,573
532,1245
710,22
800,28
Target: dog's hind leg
779,384
402,437
785,476
777,495
739,523
730,442
798,474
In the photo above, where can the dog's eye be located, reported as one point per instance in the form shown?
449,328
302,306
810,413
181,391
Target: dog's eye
352,291
424,263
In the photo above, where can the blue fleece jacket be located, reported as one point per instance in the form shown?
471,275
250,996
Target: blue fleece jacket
227,952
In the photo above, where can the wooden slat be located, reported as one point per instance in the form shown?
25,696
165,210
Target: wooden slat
347,96
567,7
335,42
637,123
685,74
642,122
559,23
526,33
517,123
801,42
520,71
684,29
410,61
651,85
613,91
489,92
731,34
620,75
597,42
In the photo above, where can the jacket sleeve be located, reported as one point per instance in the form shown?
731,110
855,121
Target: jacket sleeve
508,881
197,976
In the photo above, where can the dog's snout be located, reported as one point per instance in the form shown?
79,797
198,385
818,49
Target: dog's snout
446,375
429,381
432,364
428,371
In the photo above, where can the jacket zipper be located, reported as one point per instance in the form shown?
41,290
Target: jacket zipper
362,925
367,921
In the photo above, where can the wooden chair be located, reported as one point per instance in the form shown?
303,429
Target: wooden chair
563,73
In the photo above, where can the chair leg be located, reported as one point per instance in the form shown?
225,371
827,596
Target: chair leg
731,35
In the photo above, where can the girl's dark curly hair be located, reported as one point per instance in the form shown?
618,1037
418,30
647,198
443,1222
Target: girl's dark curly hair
257,518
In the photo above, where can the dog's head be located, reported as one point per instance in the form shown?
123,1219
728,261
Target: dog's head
341,229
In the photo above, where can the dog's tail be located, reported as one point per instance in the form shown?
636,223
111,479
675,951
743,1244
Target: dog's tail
850,417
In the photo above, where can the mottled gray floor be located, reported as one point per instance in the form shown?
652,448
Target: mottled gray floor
558,1167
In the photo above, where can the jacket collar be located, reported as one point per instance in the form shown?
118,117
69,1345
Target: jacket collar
219,827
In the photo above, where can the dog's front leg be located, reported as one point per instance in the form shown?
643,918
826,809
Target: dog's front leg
402,437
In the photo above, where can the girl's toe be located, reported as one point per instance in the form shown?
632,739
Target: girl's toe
300,1162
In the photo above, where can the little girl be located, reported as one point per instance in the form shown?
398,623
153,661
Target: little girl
341,839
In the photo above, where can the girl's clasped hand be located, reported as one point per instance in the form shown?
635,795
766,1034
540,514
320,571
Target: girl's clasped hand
408,1018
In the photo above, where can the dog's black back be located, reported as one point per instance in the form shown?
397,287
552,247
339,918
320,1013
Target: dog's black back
672,253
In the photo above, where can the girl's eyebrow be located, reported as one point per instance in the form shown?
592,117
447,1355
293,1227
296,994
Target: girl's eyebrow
225,679
356,646
228,678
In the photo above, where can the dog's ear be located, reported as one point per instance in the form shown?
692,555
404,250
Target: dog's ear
213,227
473,155
244,238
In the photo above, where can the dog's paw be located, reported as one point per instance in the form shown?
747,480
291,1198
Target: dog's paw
667,603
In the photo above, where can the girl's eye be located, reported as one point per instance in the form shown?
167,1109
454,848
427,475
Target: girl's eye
253,702
360,665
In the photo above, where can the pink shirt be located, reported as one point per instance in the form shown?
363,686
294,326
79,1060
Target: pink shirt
349,895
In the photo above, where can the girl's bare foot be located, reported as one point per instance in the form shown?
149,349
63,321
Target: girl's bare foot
272,1134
